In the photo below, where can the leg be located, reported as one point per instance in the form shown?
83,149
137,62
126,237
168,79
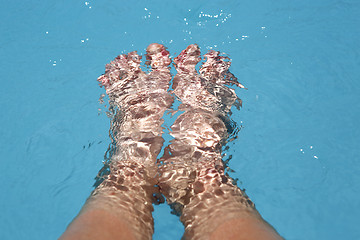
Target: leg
193,178
124,198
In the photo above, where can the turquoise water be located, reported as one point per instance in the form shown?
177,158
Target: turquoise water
297,154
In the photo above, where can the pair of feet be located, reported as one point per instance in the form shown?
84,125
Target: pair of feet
143,98
190,173
191,170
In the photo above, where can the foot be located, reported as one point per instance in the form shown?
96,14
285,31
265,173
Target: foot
192,172
200,132
129,179
142,99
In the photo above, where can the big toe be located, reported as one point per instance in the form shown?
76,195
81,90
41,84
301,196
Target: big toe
157,56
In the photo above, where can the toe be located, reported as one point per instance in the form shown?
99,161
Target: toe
122,67
187,59
157,56
216,69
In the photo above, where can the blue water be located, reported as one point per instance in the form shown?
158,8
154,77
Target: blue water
297,154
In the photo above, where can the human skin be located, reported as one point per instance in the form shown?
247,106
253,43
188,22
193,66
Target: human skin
125,196
244,229
98,224
190,174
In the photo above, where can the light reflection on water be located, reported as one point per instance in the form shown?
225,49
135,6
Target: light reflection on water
299,62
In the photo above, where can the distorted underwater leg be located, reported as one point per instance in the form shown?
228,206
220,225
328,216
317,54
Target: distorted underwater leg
192,171
123,199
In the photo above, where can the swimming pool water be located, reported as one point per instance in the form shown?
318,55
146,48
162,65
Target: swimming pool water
296,154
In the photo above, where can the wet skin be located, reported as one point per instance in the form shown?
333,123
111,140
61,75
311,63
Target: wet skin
191,172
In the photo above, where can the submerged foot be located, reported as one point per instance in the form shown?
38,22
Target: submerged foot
141,99
193,159
129,179
193,178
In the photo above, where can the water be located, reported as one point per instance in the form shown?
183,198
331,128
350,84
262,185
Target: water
297,152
